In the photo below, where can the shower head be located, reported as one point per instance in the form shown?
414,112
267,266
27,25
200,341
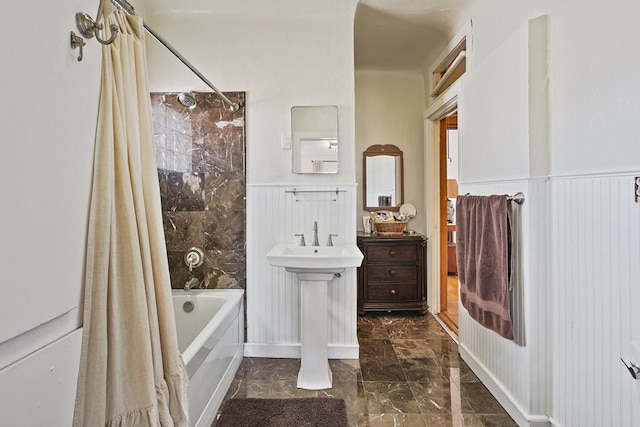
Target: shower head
187,100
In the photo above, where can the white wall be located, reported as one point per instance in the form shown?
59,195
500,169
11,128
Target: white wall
290,53
594,86
389,111
581,237
48,122
275,214
495,91
283,54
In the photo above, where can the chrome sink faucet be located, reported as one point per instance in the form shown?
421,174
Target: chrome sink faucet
315,234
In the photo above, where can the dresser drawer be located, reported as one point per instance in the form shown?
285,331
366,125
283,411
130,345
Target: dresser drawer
396,253
392,273
391,292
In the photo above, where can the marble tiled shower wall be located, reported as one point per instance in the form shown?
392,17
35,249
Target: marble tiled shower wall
201,168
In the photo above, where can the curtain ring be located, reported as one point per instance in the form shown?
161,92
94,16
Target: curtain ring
114,34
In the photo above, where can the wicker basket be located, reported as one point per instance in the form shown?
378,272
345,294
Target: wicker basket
390,228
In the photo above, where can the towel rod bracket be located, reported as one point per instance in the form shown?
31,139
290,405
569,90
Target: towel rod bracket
518,198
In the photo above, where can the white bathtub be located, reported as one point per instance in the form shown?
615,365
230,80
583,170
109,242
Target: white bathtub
211,340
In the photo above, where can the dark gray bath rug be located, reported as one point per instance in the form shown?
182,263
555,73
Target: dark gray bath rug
306,412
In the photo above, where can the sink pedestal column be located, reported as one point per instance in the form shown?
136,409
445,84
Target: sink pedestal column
315,267
314,373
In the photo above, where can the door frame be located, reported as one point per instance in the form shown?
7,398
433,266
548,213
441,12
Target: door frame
445,124
444,105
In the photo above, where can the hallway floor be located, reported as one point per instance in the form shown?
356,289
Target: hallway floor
409,374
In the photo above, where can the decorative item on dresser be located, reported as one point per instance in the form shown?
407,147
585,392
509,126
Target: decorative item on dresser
393,273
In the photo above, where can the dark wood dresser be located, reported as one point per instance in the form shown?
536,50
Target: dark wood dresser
393,274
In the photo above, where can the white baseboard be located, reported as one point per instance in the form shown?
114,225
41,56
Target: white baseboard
292,351
502,395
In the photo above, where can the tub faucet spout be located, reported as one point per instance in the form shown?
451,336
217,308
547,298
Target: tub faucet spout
191,283
315,234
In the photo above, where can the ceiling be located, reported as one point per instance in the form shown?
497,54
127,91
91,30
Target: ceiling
388,34
405,34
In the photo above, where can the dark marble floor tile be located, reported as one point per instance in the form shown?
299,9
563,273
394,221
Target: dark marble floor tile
256,368
372,331
440,398
442,345
412,348
377,349
406,325
449,360
388,420
372,319
390,398
404,319
410,331
488,421
271,389
382,370
480,399
351,391
425,370
444,420
400,380
445,351
345,370
466,375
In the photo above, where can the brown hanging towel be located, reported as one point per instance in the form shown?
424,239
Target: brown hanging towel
483,241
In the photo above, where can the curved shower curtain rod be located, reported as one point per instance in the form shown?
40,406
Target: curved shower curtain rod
89,28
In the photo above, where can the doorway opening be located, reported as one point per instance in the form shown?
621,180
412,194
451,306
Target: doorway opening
448,192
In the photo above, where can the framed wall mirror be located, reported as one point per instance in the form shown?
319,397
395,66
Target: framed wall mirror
383,185
314,139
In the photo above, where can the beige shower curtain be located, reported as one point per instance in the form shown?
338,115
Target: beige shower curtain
131,373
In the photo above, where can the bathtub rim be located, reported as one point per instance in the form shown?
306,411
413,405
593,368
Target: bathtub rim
232,298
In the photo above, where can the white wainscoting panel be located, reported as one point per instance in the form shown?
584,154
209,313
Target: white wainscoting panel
40,389
580,275
275,214
517,372
596,284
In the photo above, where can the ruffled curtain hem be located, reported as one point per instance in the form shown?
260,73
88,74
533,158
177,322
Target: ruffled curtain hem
170,409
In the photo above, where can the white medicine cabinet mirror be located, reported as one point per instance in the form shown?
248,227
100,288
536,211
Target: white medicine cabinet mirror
314,139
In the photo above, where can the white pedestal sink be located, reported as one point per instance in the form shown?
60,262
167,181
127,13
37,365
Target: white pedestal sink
315,267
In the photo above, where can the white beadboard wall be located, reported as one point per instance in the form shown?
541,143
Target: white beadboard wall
596,295
518,372
275,214
579,270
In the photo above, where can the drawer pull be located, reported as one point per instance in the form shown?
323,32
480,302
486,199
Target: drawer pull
393,291
392,272
392,253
